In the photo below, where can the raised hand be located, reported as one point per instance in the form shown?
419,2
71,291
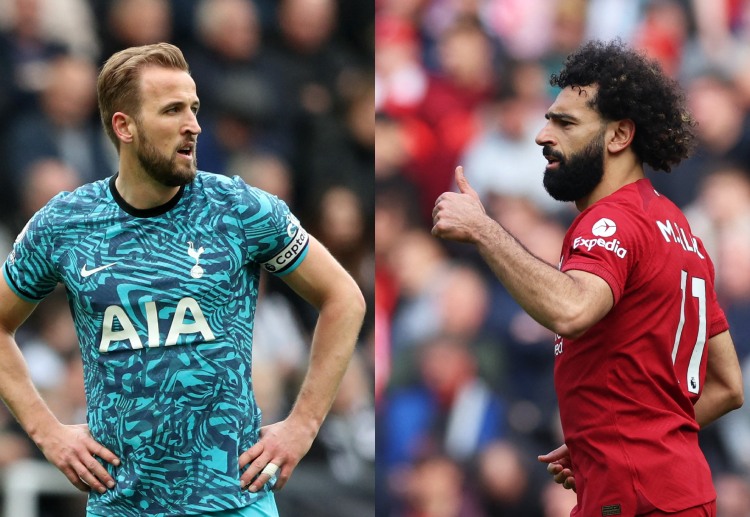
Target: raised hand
457,215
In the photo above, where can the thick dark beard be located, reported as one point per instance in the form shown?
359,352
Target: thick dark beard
163,170
578,175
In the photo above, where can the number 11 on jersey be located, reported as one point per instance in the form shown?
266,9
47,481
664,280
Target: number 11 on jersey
698,291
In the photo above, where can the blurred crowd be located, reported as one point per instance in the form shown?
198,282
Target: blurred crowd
287,103
463,387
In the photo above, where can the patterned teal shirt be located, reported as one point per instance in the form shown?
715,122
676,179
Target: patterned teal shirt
163,302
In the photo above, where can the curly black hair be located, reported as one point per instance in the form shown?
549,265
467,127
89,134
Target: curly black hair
632,86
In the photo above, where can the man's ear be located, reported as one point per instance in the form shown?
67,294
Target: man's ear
623,132
124,127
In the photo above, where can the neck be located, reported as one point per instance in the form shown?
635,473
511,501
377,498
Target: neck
138,188
617,174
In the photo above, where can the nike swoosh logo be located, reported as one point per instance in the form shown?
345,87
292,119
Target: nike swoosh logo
88,272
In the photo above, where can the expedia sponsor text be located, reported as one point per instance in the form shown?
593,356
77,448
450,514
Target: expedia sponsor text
611,245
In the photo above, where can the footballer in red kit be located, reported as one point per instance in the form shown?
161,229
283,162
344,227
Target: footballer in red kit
643,354
627,386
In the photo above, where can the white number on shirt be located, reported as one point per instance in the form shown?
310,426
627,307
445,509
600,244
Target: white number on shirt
697,290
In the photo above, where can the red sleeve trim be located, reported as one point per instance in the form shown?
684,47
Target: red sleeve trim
599,271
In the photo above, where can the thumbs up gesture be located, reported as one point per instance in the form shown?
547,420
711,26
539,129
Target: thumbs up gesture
458,215
463,183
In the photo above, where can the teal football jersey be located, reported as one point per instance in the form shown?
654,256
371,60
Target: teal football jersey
163,302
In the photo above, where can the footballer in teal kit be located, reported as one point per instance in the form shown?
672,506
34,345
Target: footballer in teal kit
162,337
161,264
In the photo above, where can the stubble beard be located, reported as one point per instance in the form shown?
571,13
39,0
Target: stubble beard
578,175
163,170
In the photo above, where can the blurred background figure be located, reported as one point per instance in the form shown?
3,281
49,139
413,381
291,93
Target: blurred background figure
42,180
63,124
506,483
557,502
437,487
287,103
243,96
447,410
131,23
732,496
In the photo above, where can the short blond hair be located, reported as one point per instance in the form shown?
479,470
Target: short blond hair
117,86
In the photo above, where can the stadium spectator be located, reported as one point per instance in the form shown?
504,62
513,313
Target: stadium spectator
245,96
662,34
279,353
502,159
315,70
28,47
466,79
448,411
131,23
348,165
340,466
507,485
723,135
721,213
437,486
400,78
417,264
613,301
265,171
65,126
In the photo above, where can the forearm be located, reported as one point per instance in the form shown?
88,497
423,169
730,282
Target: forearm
722,389
333,343
554,299
714,403
19,393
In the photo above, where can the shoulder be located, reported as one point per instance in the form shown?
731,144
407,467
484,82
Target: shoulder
67,206
232,187
628,208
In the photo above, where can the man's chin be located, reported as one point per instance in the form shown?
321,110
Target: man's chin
179,178
186,174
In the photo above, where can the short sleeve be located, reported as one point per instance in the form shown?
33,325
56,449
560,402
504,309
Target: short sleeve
29,269
275,238
607,241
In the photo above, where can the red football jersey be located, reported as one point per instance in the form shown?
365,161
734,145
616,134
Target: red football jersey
626,387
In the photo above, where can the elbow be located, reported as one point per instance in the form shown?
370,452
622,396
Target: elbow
569,331
571,324
353,301
735,392
733,396
359,304
736,398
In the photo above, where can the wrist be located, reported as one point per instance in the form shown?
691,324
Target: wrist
41,428
306,423
487,230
